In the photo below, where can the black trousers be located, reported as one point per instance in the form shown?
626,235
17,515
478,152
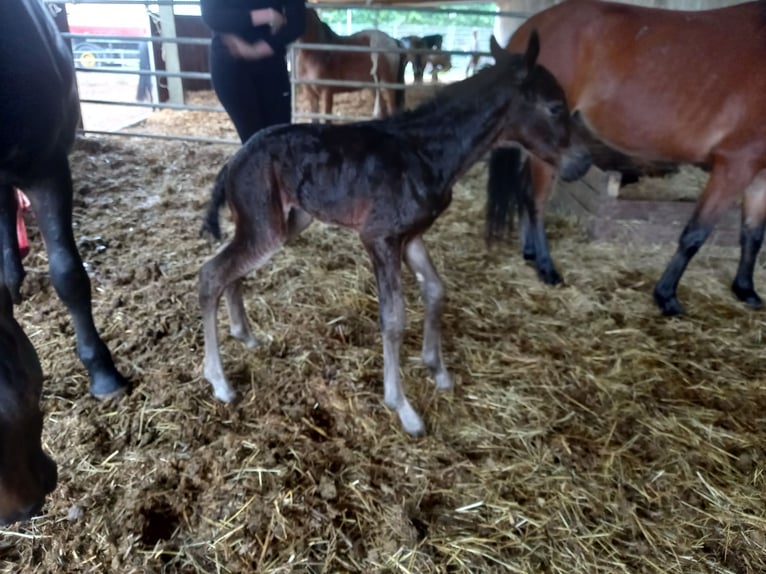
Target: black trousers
255,93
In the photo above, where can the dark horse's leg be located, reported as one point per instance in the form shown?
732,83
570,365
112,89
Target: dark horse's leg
726,180
523,184
51,200
751,239
12,270
386,254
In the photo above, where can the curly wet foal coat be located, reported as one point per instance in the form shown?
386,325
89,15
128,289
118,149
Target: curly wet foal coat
389,180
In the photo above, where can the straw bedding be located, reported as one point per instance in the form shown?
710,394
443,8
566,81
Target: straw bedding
586,433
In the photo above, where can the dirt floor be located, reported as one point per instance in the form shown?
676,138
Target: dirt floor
586,432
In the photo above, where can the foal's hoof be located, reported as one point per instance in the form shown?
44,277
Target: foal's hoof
108,386
747,295
669,306
443,381
411,421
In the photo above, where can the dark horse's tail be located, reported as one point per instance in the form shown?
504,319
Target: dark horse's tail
211,223
509,187
399,96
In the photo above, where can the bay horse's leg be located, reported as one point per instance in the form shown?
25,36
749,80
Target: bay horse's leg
223,273
534,239
386,255
727,179
313,104
11,268
751,239
51,201
432,292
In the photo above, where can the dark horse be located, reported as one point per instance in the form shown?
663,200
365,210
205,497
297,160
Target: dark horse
27,474
670,86
388,180
39,112
381,65
418,54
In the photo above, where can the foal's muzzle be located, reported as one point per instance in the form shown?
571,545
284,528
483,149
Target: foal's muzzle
574,163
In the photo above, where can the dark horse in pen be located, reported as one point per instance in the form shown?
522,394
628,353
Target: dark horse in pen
388,180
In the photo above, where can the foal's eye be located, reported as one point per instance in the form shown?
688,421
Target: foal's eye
556,109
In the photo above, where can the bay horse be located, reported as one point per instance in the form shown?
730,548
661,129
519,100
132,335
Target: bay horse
662,85
39,116
415,46
27,474
382,65
387,179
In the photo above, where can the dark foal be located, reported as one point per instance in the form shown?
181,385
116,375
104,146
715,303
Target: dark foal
39,116
27,474
388,180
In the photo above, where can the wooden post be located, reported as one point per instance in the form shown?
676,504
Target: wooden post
170,54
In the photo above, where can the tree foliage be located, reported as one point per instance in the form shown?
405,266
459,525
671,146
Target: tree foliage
465,13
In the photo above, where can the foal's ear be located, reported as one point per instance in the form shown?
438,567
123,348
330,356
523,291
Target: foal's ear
497,52
533,50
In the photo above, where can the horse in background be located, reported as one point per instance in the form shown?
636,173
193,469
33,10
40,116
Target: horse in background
383,65
439,62
388,180
39,118
642,92
415,46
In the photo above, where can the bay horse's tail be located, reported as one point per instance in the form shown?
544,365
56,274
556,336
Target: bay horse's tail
399,99
211,224
509,187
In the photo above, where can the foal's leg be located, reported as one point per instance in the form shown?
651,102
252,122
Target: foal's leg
51,201
432,292
532,219
386,259
224,272
751,239
297,221
726,180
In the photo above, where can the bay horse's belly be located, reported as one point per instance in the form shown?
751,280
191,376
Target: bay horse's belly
659,84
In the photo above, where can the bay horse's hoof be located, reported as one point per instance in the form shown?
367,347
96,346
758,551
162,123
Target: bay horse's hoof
669,306
109,386
747,295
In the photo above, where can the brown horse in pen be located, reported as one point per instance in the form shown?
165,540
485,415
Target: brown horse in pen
388,180
662,85
384,65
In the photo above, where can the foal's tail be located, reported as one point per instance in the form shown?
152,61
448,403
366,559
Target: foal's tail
211,223
509,187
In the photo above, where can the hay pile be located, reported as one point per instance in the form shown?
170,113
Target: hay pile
586,433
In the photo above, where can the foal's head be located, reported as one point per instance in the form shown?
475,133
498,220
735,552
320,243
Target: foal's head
539,118
27,474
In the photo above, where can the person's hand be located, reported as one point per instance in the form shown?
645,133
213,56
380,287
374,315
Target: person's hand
270,17
239,48
277,21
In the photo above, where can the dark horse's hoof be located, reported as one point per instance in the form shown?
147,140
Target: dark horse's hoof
669,306
105,385
550,276
747,295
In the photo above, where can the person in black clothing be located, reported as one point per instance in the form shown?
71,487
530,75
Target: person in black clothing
247,58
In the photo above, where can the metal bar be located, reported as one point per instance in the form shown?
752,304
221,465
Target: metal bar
129,2
154,105
320,116
159,137
157,73
137,39
350,84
